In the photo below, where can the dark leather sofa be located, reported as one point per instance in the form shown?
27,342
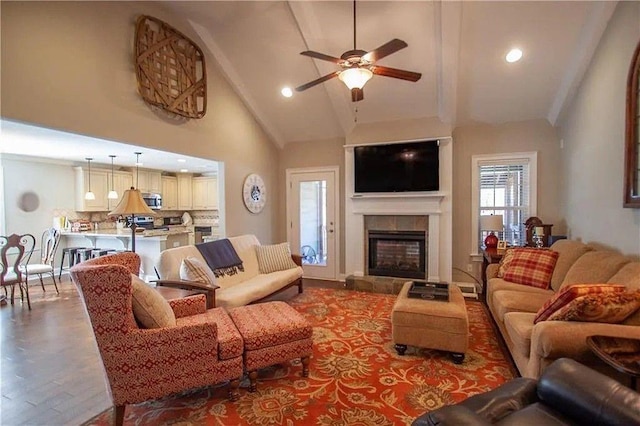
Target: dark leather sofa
567,393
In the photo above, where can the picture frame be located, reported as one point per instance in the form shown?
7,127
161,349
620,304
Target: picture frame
502,245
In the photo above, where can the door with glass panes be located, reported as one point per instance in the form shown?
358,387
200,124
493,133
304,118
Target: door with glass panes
311,220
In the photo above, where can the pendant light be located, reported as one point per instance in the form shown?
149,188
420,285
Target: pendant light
113,194
89,195
138,163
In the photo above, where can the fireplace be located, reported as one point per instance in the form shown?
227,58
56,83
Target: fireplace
397,253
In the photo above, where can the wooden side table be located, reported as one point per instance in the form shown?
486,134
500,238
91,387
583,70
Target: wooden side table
175,293
620,353
489,256
170,288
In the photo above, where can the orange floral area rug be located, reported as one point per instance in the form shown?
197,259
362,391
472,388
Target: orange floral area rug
356,376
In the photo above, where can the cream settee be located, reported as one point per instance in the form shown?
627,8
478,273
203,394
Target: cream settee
535,346
241,289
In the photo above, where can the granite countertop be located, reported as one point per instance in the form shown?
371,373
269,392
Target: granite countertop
126,233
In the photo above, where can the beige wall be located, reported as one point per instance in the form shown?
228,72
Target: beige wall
593,134
69,66
400,130
537,135
314,154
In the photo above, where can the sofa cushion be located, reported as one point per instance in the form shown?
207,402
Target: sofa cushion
607,307
568,252
193,269
519,326
169,261
532,267
256,288
570,293
594,267
150,309
505,301
274,257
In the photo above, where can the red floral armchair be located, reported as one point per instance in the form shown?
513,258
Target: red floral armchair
145,364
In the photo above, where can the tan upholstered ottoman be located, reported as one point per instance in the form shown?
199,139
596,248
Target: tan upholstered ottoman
431,324
273,332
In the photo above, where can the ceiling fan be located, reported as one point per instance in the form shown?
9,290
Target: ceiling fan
358,66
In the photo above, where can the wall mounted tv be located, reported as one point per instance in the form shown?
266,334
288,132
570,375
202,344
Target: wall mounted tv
398,167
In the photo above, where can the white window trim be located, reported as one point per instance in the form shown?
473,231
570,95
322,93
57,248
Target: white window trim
532,157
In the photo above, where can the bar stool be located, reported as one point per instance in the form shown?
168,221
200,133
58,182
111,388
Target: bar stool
69,252
83,254
101,252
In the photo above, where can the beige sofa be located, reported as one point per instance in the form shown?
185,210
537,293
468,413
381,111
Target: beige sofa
245,287
535,346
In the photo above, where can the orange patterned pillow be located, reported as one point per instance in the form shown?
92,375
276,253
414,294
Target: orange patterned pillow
532,267
608,307
572,292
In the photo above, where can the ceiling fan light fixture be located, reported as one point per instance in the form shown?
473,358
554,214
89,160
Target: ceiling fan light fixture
355,78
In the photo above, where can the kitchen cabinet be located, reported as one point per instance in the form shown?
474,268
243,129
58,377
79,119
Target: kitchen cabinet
185,192
121,182
205,193
169,193
98,183
149,181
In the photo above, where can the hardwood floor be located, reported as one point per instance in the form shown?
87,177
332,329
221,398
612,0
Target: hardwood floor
51,372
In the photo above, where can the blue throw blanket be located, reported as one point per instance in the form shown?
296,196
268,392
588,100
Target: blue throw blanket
221,257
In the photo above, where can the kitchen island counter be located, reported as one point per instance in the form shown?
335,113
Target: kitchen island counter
149,243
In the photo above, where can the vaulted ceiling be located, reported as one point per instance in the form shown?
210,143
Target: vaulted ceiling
459,47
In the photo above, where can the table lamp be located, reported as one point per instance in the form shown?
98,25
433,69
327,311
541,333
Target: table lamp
132,204
491,223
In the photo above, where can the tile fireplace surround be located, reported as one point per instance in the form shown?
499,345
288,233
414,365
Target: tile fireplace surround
434,205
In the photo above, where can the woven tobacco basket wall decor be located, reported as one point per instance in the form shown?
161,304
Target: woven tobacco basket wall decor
170,69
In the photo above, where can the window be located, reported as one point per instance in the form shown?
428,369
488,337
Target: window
504,185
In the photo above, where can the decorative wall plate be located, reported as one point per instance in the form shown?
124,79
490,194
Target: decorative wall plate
254,193
170,69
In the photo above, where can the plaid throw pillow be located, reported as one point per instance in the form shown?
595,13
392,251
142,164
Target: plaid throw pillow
532,267
275,257
192,269
571,293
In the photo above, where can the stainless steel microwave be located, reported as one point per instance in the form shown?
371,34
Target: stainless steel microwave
154,201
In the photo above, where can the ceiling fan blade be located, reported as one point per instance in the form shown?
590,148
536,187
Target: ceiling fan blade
322,56
385,50
317,81
396,73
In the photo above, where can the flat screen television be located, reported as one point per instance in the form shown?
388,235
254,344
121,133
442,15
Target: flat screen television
399,167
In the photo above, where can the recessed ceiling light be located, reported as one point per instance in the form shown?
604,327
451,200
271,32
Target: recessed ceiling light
181,160
287,92
184,170
514,55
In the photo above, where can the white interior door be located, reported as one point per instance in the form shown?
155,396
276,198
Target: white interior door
311,218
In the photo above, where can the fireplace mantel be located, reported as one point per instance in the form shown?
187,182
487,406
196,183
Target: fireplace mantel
437,205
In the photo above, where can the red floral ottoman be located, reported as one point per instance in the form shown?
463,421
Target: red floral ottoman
273,332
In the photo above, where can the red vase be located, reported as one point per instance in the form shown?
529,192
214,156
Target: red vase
491,241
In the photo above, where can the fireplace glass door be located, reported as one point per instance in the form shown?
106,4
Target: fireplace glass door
397,254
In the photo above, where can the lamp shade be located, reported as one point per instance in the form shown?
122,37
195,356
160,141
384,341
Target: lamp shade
491,222
355,77
132,203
